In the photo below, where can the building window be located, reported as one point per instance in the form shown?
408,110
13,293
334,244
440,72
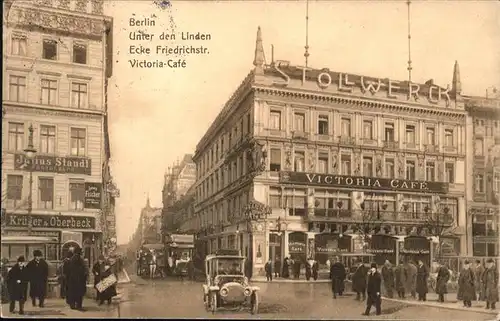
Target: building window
323,125
17,88
299,122
275,120
496,182
410,170
449,172
275,165
448,137
323,162
19,44
431,136
47,139
345,163
479,147
430,171
389,132
367,129
299,161
345,127
16,136
49,92
14,190
479,185
78,141
79,53
79,95
249,124
77,195
296,202
389,167
46,193
274,197
49,49
367,167
410,134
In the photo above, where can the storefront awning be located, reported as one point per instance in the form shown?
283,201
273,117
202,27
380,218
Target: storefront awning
15,239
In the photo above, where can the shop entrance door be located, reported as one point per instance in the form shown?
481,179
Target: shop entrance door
274,251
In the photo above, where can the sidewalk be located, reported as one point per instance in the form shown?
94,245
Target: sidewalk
450,303
57,308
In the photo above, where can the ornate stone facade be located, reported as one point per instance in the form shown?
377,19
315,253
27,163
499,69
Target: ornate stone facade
97,7
56,22
63,4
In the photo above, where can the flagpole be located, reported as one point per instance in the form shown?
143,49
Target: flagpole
409,44
306,53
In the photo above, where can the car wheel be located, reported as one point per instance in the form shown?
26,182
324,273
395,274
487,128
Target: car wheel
213,302
254,303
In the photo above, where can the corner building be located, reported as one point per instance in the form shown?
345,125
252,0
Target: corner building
318,149
56,67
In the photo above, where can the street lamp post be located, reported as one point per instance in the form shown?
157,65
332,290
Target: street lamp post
30,153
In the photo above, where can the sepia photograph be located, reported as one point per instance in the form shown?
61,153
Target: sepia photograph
251,159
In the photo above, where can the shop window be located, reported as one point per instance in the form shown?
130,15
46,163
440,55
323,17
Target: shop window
32,248
16,251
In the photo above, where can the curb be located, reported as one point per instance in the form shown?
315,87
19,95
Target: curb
127,278
448,307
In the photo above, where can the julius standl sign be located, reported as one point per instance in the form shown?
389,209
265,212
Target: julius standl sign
362,182
50,221
54,164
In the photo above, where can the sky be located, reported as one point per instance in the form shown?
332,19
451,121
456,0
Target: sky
159,114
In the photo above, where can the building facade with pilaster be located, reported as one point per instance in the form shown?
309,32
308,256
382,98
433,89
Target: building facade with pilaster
56,65
300,162
483,205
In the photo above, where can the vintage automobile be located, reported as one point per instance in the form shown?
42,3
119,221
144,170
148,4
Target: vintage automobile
226,284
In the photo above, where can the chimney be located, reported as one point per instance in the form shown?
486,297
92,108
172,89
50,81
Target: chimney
258,60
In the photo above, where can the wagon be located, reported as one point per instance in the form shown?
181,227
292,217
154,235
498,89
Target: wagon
226,285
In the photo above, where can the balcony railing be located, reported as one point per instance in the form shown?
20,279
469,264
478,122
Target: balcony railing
391,144
347,140
431,148
369,141
300,135
323,137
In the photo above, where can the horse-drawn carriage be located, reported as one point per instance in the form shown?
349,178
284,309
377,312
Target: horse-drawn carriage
226,284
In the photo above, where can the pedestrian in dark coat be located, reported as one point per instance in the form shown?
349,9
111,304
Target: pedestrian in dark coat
411,280
277,267
388,277
315,269
77,275
422,276
373,288
286,269
466,286
269,270
110,292
64,277
443,276
296,268
98,271
309,269
401,276
17,285
490,282
478,280
38,271
359,279
337,275
190,269
5,270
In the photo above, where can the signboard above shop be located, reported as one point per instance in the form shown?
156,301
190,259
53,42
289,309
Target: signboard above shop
359,182
93,195
54,164
69,222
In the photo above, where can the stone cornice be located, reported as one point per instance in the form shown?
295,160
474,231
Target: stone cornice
58,21
401,108
239,94
17,108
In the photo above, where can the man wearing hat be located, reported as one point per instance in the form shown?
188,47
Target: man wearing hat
98,271
38,271
373,290
17,285
77,274
490,283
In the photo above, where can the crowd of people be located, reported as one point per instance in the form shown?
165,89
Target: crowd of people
73,275
154,264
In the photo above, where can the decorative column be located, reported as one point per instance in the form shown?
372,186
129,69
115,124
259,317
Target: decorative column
286,252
